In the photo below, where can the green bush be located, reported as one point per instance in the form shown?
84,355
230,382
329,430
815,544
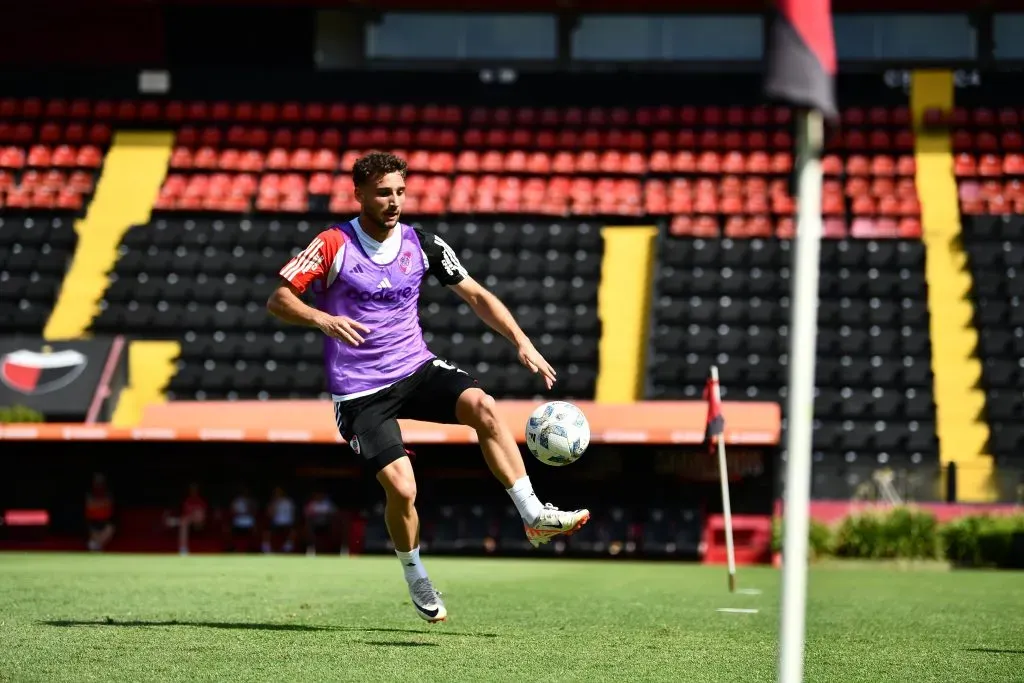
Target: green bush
819,538
909,533
980,540
900,532
19,414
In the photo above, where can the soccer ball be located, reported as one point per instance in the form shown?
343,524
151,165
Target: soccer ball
557,433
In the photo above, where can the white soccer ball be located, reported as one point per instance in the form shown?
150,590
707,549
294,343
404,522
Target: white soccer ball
557,433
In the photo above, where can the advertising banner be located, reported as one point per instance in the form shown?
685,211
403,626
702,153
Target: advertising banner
61,380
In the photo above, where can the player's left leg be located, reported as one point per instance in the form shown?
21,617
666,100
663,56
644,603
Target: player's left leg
476,409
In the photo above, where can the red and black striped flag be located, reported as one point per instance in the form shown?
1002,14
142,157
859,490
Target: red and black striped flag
802,56
715,428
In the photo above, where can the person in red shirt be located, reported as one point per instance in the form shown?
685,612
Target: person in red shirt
193,516
99,513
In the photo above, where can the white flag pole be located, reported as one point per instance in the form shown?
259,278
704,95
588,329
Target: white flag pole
723,475
800,414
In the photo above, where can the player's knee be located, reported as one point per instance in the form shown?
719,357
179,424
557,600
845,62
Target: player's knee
484,410
401,489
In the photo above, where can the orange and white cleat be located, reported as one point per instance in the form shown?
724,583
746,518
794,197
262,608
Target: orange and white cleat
554,522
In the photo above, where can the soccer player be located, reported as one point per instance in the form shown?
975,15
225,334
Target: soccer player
366,276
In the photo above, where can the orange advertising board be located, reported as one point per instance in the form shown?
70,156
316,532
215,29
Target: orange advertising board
650,422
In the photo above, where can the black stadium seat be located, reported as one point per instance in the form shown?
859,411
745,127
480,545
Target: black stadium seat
205,281
35,252
995,255
727,303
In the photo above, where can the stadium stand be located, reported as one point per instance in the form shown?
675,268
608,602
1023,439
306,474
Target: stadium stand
50,157
205,280
723,284
35,249
996,256
988,167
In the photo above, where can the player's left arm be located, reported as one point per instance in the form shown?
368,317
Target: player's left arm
492,311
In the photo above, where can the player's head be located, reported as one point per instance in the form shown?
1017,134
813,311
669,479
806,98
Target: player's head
379,180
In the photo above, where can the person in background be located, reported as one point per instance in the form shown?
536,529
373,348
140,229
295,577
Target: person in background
243,513
99,513
321,517
193,517
281,514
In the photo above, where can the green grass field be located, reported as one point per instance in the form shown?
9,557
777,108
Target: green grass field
163,618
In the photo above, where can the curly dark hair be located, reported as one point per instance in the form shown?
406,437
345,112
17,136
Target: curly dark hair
375,165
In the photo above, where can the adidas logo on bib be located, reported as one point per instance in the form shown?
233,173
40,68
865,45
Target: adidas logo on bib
384,284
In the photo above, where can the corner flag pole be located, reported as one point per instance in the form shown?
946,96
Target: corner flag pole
723,476
800,411
801,71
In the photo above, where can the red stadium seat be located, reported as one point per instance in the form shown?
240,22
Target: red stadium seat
205,158
758,162
964,166
906,165
492,162
229,160
181,157
990,165
983,117
781,163
858,165
18,198
38,156
834,228
74,134
882,165
934,117
277,159
50,133
909,228
733,162
301,160
330,138
863,205
986,142
1013,164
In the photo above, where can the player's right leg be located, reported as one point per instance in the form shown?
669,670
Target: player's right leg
403,524
374,434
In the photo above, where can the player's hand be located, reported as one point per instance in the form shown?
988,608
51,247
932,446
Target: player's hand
531,358
344,328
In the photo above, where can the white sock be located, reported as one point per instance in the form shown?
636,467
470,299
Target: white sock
411,564
526,500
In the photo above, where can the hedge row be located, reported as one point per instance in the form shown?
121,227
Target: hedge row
19,414
910,533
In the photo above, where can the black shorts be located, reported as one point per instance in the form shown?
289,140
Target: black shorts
370,423
99,526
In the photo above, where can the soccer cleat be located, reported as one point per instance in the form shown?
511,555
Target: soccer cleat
553,522
427,601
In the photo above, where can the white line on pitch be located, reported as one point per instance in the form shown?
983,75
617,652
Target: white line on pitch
748,591
736,610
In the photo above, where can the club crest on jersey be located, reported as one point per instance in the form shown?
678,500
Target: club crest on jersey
405,262
354,443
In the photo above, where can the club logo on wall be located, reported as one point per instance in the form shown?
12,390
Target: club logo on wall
41,372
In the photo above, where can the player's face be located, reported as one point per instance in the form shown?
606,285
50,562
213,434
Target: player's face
382,201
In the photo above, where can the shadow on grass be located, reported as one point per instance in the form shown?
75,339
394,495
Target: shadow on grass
994,650
396,643
250,626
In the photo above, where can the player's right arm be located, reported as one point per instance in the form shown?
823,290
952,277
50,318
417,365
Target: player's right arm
311,264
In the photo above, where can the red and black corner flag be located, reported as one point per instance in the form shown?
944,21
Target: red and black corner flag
802,56
715,427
